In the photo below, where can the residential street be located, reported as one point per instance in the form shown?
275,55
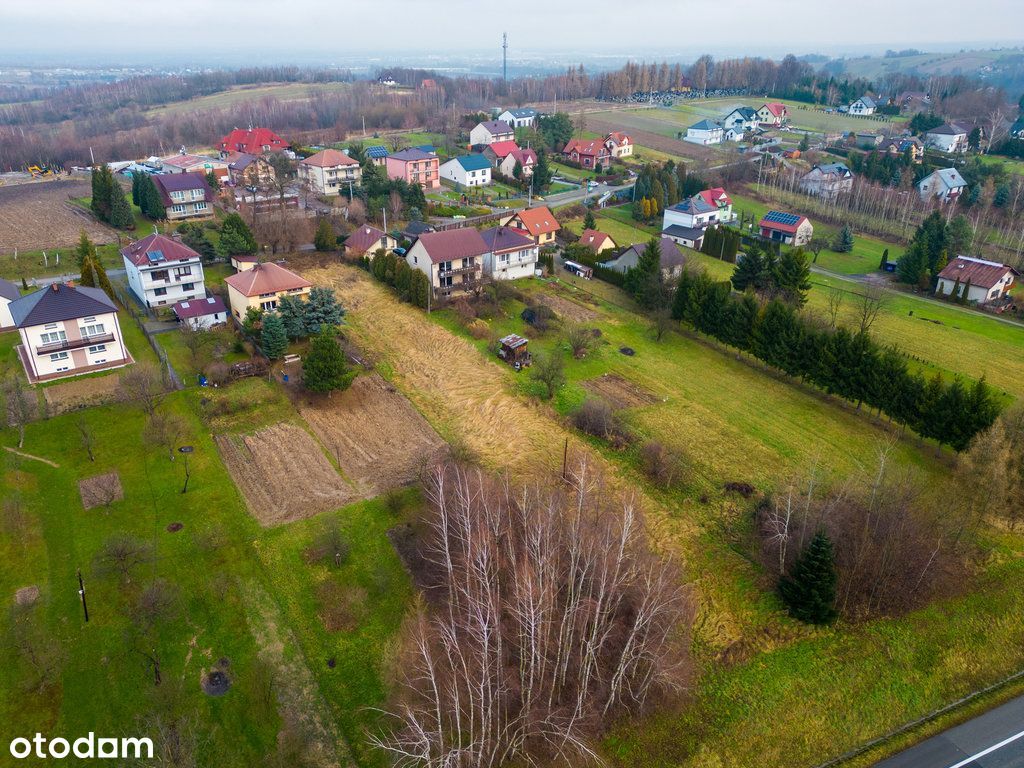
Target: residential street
992,740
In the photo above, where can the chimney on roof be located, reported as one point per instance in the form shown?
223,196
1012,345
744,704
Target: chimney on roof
54,287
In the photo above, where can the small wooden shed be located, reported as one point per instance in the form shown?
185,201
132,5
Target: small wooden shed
513,350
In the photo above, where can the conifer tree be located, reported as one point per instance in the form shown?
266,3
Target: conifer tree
588,221
273,338
102,281
88,275
809,591
322,309
85,249
325,368
324,239
749,271
102,184
120,211
884,260
136,199
792,277
965,296
235,237
844,240
292,310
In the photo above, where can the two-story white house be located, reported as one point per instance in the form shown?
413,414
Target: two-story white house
741,120
945,184
511,254
490,131
162,271
453,260
467,171
688,220
948,137
865,105
705,132
66,330
827,180
522,117
329,171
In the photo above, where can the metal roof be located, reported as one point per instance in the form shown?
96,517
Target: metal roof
58,302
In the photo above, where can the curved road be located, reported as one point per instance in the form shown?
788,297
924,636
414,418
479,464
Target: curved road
992,740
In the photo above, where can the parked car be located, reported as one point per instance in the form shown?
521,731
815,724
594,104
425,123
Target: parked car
399,251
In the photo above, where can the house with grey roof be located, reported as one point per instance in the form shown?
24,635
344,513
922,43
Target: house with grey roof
67,330
865,105
490,131
521,117
671,259
948,137
705,132
945,184
742,119
827,180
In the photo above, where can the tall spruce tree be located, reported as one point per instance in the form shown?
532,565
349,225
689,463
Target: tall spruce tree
809,591
792,277
323,309
273,339
589,222
292,310
325,368
120,211
844,240
750,270
235,237
102,184
88,273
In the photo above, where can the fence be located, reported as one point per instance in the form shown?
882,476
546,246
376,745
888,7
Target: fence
473,221
130,304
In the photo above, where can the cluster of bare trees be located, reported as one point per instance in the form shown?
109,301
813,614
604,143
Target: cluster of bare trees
894,549
992,472
545,616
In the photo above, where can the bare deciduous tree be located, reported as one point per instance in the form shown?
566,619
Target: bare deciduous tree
121,554
143,384
165,430
581,340
86,433
546,615
869,304
835,305
19,408
37,648
661,322
195,339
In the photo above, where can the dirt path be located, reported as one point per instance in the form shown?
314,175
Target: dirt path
297,691
16,452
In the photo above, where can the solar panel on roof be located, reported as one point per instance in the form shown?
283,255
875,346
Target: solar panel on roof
778,217
156,255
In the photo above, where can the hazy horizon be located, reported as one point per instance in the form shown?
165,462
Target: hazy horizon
237,33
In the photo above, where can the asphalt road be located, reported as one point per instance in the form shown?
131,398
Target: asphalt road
992,740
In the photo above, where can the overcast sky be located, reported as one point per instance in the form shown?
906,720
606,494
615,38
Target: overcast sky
294,30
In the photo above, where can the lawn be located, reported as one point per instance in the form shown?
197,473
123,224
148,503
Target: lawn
219,345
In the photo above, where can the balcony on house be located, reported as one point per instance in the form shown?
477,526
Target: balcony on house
66,344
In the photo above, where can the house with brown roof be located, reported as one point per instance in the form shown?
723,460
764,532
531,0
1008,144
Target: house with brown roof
67,330
587,153
597,241
202,313
527,159
415,167
329,171
251,171
490,132
976,280
162,270
184,195
538,223
619,144
262,286
186,163
367,240
453,260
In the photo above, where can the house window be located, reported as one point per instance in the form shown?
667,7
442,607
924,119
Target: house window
201,206
161,291
178,208
97,348
160,274
53,337
186,287
177,195
182,271
268,306
95,329
503,258
56,358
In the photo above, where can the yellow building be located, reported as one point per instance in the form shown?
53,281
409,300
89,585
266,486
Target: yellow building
262,286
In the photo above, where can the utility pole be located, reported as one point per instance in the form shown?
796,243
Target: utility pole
385,214
364,126
504,57
185,450
81,593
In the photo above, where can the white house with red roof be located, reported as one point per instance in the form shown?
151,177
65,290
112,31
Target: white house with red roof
162,270
619,144
687,221
982,281
786,228
252,141
773,114
329,171
527,159
498,151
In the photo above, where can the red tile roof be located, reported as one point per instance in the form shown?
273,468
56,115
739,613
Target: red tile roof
266,277
980,273
618,137
253,141
594,239
452,244
715,196
776,108
329,158
586,147
538,221
138,253
503,148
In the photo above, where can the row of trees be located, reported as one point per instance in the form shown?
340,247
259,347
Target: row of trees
108,201
851,365
147,197
412,285
928,252
93,274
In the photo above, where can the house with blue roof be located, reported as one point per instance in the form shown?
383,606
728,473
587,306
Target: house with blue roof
377,154
523,117
467,171
705,132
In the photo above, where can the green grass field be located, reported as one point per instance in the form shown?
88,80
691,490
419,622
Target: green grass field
250,93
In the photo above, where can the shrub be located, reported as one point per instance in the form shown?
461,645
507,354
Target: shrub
217,373
662,465
330,547
598,419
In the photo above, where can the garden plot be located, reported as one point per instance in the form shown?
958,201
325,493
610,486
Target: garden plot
80,393
377,437
283,474
618,392
40,216
567,309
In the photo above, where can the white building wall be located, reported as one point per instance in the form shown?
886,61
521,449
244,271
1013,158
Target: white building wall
6,321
